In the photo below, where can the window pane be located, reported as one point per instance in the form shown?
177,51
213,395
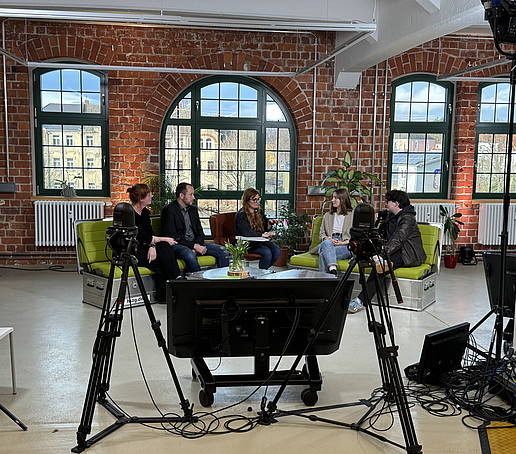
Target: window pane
247,160
432,182
71,102
283,182
417,142
274,112
229,108
90,82
433,162
71,79
487,112
92,132
437,93
91,102
246,180
488,93
93,179
248,93
502,113
50,101
209,108
401,111
417,162
436,112
484,163
284,139
483,181
420,91
228,139
183,109
403,92
414,183
270,183
51,80
502,93
400,142
248,109
270,160
247,139
418,112
228,90
271,138
210,92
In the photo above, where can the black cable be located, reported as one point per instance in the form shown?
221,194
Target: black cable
57,268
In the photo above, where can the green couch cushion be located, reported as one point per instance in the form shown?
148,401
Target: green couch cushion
430,235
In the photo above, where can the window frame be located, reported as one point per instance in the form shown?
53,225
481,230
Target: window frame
490,128
259,124
100,119
425,127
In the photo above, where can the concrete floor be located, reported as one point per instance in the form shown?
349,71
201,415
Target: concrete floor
54,334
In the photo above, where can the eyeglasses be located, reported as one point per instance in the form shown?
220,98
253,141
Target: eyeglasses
255,199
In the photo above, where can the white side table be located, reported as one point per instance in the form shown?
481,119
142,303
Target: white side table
3,333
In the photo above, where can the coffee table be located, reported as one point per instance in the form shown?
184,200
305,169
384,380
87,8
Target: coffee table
222,273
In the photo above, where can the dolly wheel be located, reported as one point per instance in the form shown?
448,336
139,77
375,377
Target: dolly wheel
309,397
206,399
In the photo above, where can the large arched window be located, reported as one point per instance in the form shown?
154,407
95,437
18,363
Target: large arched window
71,131
228,134
491,142
420,132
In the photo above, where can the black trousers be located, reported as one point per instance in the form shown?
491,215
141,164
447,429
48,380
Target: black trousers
165,266
397,262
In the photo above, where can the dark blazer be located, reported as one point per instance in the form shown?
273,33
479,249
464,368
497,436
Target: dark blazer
173,224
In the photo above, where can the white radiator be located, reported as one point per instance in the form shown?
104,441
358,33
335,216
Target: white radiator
490,220
55,220
429,212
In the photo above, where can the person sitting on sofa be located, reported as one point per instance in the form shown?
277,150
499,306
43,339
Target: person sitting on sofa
334,234
153,252
403,240
251,222
180,220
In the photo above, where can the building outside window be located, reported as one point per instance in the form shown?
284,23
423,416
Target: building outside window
71,129
491,145
420,135
227,134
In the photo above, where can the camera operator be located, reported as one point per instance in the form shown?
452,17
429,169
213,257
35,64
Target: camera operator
403,239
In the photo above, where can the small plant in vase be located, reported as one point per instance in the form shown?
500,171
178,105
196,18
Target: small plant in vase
452,228
67,189
237,252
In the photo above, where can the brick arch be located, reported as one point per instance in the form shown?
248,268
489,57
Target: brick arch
74,47
166,92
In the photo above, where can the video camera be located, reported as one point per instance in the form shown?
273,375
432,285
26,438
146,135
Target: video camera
365,237
119,236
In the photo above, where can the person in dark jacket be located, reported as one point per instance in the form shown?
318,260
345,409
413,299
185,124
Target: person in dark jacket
180,220
153,252
251,222
403,240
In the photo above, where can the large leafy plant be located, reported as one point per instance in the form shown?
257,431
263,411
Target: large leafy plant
291,228
451,225
347,177
163,191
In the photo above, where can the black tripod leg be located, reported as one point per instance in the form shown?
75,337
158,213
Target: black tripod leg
156,327
103,350
14,418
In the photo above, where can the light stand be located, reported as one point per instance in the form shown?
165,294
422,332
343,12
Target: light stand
387,352
104,349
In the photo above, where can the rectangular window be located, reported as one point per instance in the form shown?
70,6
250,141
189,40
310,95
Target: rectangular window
69,141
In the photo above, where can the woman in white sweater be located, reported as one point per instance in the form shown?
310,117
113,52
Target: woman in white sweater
334,233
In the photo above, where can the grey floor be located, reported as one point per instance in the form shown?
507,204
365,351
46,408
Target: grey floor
54,333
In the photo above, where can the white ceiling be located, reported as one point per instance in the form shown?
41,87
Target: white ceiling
368,31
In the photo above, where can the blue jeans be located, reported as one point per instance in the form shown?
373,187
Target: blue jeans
329,254
269,251
190,257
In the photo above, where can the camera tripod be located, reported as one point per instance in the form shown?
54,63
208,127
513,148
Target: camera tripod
104,349
14,418
387,353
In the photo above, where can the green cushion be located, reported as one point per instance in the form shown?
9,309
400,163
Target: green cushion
102,268
430,235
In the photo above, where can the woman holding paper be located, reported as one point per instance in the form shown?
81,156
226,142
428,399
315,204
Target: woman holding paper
250,222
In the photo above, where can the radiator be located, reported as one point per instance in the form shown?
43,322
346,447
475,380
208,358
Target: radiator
490,220
429,212
55,220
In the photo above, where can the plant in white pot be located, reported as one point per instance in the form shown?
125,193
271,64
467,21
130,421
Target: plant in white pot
452,228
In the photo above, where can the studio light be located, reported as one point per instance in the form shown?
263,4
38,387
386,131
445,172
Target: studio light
501,15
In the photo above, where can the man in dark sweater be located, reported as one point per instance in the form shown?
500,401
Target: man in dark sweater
180,220
403,239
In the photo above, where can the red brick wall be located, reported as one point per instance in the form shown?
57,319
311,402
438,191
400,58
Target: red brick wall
138,102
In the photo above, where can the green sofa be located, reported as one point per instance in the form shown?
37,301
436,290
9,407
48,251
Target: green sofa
94,263
417,284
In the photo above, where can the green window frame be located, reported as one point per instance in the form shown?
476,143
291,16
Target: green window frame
227,134
71,131
492,132
420,136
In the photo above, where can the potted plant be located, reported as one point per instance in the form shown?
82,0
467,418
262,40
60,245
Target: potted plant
237,252
163,191
67,189
347,177
289,232
452,229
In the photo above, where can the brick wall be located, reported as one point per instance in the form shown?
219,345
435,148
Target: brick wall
138,102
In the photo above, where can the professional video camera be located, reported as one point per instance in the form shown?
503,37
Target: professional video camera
501,15
365,237
119,236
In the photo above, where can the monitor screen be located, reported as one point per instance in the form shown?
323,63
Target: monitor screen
214,318
442,352
492,269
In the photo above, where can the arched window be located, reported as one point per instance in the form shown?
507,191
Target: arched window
491,142
420,132
228,134
71,131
